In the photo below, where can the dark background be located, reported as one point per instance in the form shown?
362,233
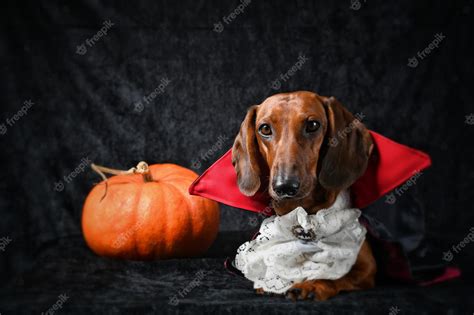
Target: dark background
84,106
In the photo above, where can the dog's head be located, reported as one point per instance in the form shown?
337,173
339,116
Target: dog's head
297,143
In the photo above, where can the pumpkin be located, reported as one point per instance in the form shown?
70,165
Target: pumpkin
147,213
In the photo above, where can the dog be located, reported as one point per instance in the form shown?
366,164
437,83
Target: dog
305,148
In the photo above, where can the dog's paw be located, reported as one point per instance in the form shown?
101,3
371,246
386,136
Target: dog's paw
320,290
260,291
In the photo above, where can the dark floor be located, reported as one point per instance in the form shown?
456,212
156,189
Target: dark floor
95,285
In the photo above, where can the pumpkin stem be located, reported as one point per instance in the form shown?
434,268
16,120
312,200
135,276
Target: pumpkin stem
141,168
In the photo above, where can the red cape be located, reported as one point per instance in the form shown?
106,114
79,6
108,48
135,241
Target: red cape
390,165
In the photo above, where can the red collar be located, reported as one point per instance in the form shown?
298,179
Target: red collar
390,165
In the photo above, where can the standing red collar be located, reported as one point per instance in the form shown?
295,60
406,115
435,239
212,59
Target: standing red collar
390,165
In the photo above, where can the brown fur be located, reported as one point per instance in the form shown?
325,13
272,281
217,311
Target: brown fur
322,169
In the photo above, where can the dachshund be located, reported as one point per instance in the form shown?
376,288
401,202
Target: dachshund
306,148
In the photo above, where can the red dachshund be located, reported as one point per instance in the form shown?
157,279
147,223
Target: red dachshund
288,142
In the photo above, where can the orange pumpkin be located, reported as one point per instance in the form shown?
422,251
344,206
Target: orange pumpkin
149,216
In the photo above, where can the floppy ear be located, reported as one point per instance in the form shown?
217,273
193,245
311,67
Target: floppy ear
349,146
245,155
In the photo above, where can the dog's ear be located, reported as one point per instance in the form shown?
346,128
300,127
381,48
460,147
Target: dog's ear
349,146
245,155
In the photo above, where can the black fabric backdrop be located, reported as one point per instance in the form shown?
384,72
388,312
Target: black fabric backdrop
99,106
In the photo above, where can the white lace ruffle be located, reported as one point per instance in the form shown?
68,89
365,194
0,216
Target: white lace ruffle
298,247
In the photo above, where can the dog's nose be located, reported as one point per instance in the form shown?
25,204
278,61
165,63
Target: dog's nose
286,187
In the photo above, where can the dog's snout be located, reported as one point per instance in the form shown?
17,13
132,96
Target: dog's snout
286,187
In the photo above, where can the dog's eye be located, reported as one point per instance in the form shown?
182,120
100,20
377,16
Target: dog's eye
265,130
312,126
